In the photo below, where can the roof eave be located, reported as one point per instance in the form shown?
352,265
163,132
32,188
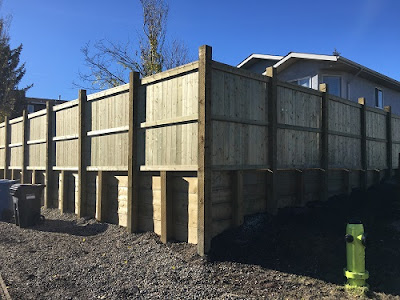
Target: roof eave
259,56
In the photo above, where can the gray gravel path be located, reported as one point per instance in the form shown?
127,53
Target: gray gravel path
70,258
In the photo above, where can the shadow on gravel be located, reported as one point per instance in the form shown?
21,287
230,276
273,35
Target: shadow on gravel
310,241
71,227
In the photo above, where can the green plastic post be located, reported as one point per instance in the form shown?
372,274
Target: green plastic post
355,248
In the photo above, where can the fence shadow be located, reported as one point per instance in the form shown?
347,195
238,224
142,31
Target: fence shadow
310,241
71,227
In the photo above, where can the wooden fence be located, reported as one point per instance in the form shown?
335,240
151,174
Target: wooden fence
189,152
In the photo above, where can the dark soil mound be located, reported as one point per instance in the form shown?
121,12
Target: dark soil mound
310,241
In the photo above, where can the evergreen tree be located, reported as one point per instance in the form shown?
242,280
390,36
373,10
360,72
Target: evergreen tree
11,73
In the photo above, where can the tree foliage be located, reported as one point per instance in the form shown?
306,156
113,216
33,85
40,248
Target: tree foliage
109,63
11,73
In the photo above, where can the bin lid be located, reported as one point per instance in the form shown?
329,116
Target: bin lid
20,186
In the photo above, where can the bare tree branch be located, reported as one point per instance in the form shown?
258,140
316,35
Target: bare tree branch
109,63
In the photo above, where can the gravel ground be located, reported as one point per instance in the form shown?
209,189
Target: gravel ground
70,258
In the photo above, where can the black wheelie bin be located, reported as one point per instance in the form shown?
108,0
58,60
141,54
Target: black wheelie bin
27,203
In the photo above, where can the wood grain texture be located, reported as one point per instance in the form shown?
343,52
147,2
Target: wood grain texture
239,112
82,155
204,224
169,120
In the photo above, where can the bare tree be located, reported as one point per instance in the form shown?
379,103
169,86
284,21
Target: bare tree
109,63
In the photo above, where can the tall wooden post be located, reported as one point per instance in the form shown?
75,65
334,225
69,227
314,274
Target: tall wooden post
323,87
377,176
63,186
101,195
398,168
389,145
82,159
363,127
6,146
24,146
300,187
34,179
237,187
133,168
49,180
272,199
166,207
204,231
347,182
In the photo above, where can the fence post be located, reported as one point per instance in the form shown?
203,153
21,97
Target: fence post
6,145
237,186
166,207
272,199
389,144
49,155
34,177
347,182
24,146
377,176
204,225
323,87
133,168
63,186
101,195
82,159
398,168
300,187
363,127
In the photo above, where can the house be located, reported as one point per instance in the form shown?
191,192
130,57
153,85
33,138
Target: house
345,78
35,104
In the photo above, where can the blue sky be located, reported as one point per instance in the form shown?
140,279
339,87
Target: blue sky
53,32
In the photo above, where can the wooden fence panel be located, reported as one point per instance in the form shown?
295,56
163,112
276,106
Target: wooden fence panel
16,157
170,108
239,145
298,149
109,152
344,117
16,139
344,150
299,123
298,108
16,131
376,155
111,111
37,156
239,111
238,96
107,126
67,119
180,140
37,140
66,135
64,159
396,141
396,129
2,145
376,124
395,156
37,126
376,129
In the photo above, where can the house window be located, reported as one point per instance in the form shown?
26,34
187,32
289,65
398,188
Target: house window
334,84
30,108
378,98
306,82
